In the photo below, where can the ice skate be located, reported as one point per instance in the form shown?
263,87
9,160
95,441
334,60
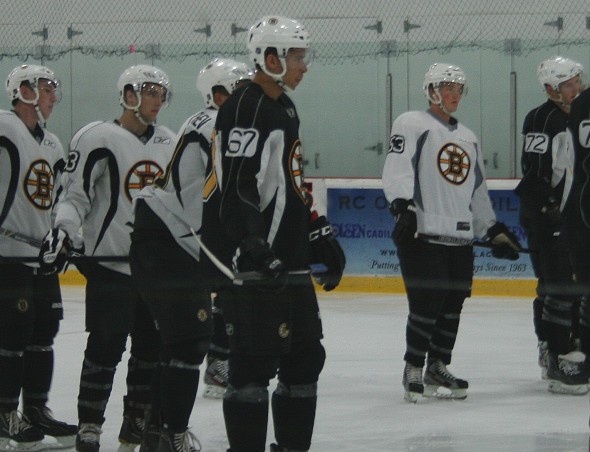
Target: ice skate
131,433
412,382
566,374
42,418
543,360
276,448
216,379
17,434
88,438
440,383
179,442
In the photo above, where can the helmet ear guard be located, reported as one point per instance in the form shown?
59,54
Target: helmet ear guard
136,77
221,72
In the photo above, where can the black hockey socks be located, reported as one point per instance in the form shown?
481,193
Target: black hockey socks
293,410
245,412
37,374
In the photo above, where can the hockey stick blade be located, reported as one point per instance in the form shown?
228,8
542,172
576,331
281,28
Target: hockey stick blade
71,257
240,277
489,245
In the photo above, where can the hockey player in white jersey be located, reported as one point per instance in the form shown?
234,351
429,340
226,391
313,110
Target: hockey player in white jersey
434,180
108,164
164,266
31,159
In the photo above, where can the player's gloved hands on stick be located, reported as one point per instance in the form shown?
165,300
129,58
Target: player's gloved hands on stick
326,250
404,212
254,254
53,255
504,243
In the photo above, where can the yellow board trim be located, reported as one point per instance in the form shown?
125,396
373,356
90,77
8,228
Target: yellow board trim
380,284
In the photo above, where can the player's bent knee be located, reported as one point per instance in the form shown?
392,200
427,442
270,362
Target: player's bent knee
45,332
192,352
246,394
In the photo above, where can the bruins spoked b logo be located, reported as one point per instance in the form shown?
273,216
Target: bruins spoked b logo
39,183
454,163
141,175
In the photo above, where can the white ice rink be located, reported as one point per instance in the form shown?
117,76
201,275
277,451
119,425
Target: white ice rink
361,406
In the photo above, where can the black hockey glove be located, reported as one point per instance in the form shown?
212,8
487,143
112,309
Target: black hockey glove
254,254
53,255
326,250
504,243
404,212
550,211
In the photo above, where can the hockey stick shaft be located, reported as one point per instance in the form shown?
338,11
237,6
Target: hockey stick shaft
72,255
239,278
21,237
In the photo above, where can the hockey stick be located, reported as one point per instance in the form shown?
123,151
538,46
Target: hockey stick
240,277
72,256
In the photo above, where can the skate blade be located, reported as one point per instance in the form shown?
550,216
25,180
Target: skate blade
556,387
213,392
6,444
60,443
411,397
126,447
440,392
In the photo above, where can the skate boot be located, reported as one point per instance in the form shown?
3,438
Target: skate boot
131,433
151,439
543,359
566,374
88,438
178,442
439,382
24,435
412,382
42,418
216,379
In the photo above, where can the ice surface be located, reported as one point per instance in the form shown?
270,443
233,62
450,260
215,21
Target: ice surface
361,406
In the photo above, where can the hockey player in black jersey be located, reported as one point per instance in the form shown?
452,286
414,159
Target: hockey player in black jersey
164,259
108,164
31,160
266,225
547,166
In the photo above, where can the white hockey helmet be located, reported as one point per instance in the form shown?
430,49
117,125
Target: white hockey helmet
31,73
556,70
442,73
221,72
278,32
137,76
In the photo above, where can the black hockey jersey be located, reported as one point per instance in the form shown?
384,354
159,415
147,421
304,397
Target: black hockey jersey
258,169
546,162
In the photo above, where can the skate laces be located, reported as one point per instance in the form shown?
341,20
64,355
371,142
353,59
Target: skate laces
441,369
218,371
186,441
413,374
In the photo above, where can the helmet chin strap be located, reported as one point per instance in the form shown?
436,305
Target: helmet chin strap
35,104
439,102
136,111
278,78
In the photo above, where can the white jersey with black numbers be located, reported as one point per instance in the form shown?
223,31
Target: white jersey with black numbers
177,197
440,166
107,167
30,164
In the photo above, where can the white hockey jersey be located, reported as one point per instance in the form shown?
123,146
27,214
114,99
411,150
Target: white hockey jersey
107,167
29,174
440,166
177,198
